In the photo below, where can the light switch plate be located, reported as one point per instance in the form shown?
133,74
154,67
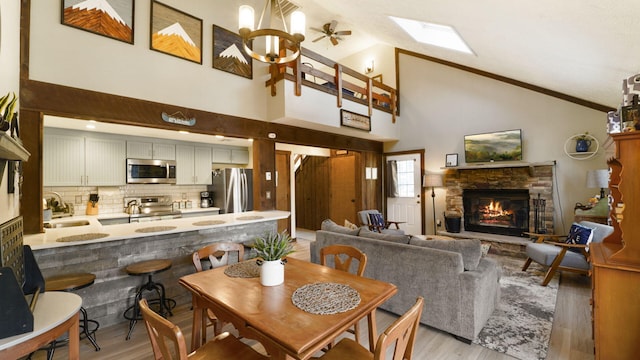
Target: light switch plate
268,175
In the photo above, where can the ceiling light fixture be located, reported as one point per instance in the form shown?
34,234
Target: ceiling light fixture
273,54
443,36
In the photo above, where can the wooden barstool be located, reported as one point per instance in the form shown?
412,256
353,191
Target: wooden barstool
148,268
73,282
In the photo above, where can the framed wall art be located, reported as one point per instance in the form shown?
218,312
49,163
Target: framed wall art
353,120
451,160
175,32
110,18
228,54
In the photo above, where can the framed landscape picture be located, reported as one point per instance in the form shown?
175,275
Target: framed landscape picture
228,54
110,18
176,33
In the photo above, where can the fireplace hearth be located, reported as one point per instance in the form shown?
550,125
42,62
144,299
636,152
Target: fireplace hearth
496,211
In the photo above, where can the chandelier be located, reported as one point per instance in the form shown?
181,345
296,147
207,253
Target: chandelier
272,36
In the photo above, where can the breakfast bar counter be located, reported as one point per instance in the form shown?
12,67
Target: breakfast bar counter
106,250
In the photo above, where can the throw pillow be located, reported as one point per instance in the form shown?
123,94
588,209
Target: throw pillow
376,220
397,238
329,225
350,225
579,234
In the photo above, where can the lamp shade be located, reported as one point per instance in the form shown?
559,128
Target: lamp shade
598,178
432,180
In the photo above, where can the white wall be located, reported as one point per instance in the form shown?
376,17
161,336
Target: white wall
384,63
440,104
65,55
9,81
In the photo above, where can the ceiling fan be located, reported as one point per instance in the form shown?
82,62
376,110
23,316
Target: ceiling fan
329,31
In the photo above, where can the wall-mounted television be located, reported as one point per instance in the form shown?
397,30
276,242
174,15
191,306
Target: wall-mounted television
494,146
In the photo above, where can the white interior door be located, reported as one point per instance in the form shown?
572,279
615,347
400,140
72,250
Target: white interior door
406,205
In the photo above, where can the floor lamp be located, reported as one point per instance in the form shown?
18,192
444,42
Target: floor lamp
433,181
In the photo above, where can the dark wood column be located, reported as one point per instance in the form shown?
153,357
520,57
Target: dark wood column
264,167
31,131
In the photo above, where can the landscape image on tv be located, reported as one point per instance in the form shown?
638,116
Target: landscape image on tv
496,146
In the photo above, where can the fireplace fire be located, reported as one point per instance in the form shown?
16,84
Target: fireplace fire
504,212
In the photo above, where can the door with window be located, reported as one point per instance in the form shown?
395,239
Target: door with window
404,191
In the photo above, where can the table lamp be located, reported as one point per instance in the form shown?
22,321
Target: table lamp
433,181
598,179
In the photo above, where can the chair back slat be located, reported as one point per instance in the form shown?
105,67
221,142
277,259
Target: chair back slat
343,255
166,338
401,334
218,254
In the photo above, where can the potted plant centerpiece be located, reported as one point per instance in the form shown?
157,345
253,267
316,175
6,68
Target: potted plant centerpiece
271,248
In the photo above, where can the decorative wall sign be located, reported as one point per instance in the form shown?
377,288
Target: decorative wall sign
228,55
176,33
110,18
178,118
356,121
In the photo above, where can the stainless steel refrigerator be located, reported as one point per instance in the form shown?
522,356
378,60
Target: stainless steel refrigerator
232,190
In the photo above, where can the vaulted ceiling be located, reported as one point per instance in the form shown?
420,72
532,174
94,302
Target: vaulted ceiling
582,48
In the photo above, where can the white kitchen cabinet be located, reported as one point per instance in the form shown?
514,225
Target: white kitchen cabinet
62,160
105,163
73,160
221,156
239,156
149,150
193,165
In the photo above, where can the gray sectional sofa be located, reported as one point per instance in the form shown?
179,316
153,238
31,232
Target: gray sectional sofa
460,287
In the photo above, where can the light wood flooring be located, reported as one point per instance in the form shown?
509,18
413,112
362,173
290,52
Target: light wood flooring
570,337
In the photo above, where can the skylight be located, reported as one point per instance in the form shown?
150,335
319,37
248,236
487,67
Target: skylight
433,34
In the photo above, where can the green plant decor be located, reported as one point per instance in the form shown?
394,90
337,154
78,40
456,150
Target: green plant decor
273,246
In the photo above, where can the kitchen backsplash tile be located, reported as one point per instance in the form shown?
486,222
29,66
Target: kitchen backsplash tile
112,197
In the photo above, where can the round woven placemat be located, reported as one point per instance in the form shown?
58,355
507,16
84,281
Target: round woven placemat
208,222
82,237
250,217
325,298
245,269
151,229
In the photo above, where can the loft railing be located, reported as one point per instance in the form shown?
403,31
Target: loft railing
328,76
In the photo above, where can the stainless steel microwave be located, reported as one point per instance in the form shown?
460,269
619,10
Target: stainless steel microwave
147,171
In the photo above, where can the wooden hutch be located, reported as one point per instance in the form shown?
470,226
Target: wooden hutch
616,261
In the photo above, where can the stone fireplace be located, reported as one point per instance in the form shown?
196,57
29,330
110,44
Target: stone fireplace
499,199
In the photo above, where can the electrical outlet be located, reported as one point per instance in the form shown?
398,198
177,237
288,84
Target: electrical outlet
78,199
268,194
184,196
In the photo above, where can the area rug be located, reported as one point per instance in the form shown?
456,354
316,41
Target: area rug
521,325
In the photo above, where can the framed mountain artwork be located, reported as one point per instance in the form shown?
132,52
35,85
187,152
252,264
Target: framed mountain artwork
110,18
228,53
176,33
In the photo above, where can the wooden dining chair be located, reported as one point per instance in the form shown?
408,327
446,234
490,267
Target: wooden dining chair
168,341
217,254
343,256
401,335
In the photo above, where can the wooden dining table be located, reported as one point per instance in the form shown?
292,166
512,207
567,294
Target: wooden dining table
268,315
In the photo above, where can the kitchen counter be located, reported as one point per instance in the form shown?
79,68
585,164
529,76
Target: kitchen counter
106,251
74,235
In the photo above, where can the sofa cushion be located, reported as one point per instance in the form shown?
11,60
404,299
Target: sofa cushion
470,249
397,238
350,225
329,225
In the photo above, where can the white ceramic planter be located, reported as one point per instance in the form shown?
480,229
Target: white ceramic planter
272,273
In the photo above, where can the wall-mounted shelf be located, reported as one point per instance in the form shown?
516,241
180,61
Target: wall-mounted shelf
499,165
10,149
570,147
